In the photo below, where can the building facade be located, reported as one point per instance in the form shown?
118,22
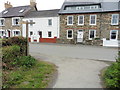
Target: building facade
11,17
46,27
91,23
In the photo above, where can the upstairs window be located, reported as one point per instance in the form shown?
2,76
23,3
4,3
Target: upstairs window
70,20
81,20
31,21
79,8
115,19
94,7
49,22
68,8
93,19
2,22
15,21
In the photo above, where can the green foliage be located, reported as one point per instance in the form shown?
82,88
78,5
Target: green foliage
36,77
112,76
10,53
26,61
20,41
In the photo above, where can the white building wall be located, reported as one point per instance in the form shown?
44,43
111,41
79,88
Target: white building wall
41,24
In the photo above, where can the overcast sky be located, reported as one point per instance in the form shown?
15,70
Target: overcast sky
41,4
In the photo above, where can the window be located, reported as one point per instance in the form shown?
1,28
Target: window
49,22
16,33
22,10
69,34
2,33
49,34
81,20
94,7
92,34
15,21
113,34
31,21
31,33
115,19
68,8
93,19
2,22
79,8
70,20
5,12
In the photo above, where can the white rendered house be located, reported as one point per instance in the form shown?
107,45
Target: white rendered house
46,27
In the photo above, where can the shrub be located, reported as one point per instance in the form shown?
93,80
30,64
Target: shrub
25,61
10,53
112,76
20,41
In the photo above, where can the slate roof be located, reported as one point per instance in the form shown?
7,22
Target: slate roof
14,11
105,7
43,13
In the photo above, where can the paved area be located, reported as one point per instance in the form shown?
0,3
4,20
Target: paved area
78,66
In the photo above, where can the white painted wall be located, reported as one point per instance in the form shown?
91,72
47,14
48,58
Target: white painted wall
111,43
41,24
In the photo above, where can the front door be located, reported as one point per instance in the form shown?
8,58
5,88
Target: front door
40,33
80,36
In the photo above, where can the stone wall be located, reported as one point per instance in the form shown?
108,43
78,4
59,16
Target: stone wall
102,27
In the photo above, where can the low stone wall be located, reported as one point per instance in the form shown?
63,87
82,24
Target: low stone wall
86,42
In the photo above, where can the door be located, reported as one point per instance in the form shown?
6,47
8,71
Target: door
40,33
80,36
8,33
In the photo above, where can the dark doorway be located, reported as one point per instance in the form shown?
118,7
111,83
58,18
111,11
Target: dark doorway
8,33
40,33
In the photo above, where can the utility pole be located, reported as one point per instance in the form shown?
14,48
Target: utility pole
27,31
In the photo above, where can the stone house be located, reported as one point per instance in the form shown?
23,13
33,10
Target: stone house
11,17
46,27
91,23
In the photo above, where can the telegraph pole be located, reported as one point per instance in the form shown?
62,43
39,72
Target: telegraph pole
27,31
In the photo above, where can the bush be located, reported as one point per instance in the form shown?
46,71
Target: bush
10,53
20,41
112,76
25,61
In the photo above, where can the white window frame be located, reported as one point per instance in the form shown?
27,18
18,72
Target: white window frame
72,34
79,8
68,20
51,22
3,22
117,19
116,34
3,33
79,19
94,7
15,34
94,34
95,19
13,21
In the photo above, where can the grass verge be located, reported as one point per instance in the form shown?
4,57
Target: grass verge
37,76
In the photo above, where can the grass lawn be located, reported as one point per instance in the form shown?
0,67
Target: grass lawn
37,76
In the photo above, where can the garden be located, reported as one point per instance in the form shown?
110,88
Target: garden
21,71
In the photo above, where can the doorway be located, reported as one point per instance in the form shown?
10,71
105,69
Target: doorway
80,36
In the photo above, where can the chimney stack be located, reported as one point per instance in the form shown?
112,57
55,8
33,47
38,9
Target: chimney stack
33,3
8,5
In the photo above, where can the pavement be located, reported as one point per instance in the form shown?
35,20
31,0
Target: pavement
79,66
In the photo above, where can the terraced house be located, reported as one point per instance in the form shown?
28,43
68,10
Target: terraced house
90,23
11,17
